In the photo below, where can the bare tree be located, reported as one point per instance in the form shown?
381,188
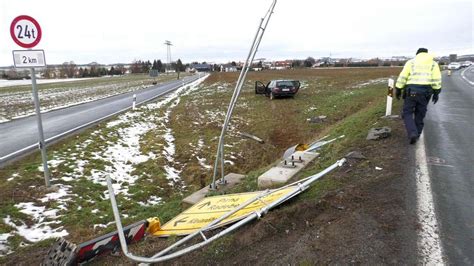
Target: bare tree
68,69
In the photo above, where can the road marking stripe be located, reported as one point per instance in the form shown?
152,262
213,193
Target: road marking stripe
464,77
429,244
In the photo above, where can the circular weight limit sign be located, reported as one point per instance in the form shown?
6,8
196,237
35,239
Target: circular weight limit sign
25,31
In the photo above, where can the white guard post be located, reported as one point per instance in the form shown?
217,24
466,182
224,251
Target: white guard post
388,111
134,101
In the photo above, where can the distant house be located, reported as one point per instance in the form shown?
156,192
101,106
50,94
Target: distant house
228,68
282,64
201,67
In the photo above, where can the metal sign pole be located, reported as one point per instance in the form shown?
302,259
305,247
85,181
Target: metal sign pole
42,144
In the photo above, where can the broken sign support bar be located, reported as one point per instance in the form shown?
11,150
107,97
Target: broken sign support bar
256,215
238,88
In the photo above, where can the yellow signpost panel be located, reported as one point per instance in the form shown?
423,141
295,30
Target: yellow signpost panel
212,208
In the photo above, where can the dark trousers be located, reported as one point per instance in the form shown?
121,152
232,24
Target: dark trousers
415,107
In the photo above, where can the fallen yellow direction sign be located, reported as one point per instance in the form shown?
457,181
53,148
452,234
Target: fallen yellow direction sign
212,208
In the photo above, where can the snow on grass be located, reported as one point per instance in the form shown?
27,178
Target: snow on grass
4,247
43,219
370,82
153,200
9,83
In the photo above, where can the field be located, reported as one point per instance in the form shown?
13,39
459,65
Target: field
165,150
16,100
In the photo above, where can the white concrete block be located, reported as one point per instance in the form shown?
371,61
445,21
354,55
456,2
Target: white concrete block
280,174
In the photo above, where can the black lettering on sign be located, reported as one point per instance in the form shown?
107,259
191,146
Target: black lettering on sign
204,204
182,220
224,207
20,36
203,220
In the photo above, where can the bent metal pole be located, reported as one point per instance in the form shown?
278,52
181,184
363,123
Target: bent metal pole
302,185
238,87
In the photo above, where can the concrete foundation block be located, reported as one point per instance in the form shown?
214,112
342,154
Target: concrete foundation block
280,174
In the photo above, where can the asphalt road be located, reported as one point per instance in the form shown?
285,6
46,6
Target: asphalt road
449,138
21,135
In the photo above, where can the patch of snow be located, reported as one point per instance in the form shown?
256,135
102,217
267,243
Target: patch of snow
43,219
8,83
202,162
4,248
153,200
370,82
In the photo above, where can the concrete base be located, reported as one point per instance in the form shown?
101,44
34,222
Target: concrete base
281,173
232,180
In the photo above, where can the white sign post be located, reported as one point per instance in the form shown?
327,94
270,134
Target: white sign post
26,32
388,110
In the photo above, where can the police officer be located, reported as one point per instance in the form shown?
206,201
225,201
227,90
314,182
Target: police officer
419,80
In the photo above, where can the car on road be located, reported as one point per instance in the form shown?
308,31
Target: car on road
466,64
277,88
454,66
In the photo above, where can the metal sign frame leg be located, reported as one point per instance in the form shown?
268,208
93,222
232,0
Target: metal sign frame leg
42,144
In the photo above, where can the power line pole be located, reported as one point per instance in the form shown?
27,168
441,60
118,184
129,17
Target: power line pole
168,54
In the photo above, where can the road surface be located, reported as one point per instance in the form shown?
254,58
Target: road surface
449,138
21,135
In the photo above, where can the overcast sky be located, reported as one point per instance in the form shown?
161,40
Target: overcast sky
111,31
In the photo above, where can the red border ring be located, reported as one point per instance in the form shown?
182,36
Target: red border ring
32,20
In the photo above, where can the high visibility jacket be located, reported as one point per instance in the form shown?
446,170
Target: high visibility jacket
421,70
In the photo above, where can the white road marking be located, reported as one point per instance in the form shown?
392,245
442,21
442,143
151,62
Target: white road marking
464,76
429,245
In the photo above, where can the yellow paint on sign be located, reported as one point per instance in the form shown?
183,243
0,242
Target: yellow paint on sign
212,208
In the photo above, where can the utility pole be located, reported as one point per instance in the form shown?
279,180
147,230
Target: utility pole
168,54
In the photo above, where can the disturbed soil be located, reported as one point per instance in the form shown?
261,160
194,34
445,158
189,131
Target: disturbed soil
369,221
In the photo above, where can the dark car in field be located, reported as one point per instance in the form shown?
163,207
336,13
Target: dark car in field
278,88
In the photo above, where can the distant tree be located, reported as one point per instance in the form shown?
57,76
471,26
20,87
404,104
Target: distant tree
204,63
296,63
146,66
68,69
233,63
159,66
49,72
309,62
136,67
120,69
85,74
179,66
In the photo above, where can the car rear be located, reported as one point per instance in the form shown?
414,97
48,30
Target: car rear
285,88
